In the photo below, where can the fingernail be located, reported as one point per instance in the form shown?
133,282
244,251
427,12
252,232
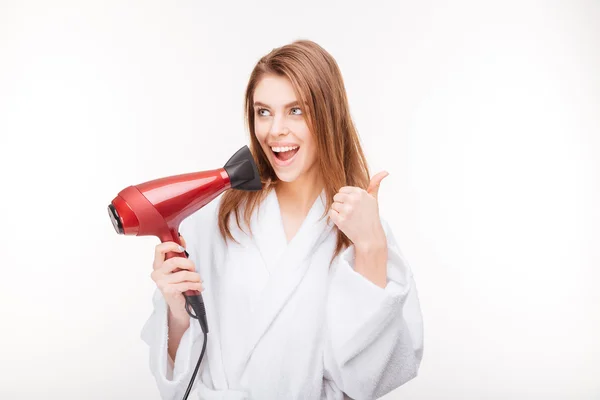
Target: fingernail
181,249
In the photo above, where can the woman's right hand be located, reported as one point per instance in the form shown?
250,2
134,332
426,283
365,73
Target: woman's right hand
173,284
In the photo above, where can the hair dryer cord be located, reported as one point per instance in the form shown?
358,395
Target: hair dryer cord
188,308
197,305
191,384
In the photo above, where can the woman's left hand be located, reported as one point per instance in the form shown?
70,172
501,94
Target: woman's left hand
355,211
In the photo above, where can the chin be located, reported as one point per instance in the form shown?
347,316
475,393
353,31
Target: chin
286,176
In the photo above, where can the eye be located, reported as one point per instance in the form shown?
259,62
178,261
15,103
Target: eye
260,110
297,108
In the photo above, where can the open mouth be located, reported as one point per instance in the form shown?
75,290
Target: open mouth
285,153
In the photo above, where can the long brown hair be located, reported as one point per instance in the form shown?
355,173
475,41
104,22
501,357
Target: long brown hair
318,84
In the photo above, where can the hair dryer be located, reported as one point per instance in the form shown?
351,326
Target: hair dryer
159,206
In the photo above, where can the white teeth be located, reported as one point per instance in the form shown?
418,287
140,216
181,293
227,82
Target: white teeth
282,149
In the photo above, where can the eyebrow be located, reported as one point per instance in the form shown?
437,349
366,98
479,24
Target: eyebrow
258,103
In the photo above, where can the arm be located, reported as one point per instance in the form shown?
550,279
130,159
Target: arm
375,334
371,262
177,327
174,341
172,374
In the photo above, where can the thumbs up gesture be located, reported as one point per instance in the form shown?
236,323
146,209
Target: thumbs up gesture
355,211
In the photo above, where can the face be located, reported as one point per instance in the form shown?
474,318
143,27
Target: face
281,130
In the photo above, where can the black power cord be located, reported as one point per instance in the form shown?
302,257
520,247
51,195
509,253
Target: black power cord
196,304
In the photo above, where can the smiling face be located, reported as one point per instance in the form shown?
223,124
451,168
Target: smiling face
281,130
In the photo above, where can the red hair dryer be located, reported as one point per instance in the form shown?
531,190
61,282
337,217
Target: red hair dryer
157,208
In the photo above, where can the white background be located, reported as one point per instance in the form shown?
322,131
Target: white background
486,115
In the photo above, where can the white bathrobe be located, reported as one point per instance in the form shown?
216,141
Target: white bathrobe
282,324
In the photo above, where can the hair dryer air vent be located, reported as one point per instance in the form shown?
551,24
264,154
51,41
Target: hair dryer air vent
115,219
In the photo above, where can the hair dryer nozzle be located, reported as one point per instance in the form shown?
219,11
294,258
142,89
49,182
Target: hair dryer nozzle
242,171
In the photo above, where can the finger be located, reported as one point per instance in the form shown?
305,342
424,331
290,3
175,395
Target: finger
349,189
182,240
177,262
161,250
183,276
342,197
338,207
373,188
182,287
335,216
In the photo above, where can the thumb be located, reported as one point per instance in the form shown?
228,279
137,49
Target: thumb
373,188
182,240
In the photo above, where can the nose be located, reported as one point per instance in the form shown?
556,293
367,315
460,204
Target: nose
278,126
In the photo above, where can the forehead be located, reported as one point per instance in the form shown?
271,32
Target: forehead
274,90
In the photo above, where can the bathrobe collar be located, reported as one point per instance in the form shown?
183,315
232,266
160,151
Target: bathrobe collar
284,261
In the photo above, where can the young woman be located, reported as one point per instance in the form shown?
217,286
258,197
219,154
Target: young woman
306,291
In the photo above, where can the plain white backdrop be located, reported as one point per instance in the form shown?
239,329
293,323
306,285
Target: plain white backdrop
486,115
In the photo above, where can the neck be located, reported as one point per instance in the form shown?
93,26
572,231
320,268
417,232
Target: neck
301,193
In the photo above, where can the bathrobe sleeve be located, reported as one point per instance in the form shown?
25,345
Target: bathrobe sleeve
374,335
173,376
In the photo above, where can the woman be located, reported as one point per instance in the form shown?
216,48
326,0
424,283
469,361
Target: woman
306,291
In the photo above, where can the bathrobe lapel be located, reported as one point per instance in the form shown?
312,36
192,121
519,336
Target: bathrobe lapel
286,262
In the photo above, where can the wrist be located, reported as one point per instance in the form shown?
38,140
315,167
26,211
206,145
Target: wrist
371,262
178,318
374,240
373,245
